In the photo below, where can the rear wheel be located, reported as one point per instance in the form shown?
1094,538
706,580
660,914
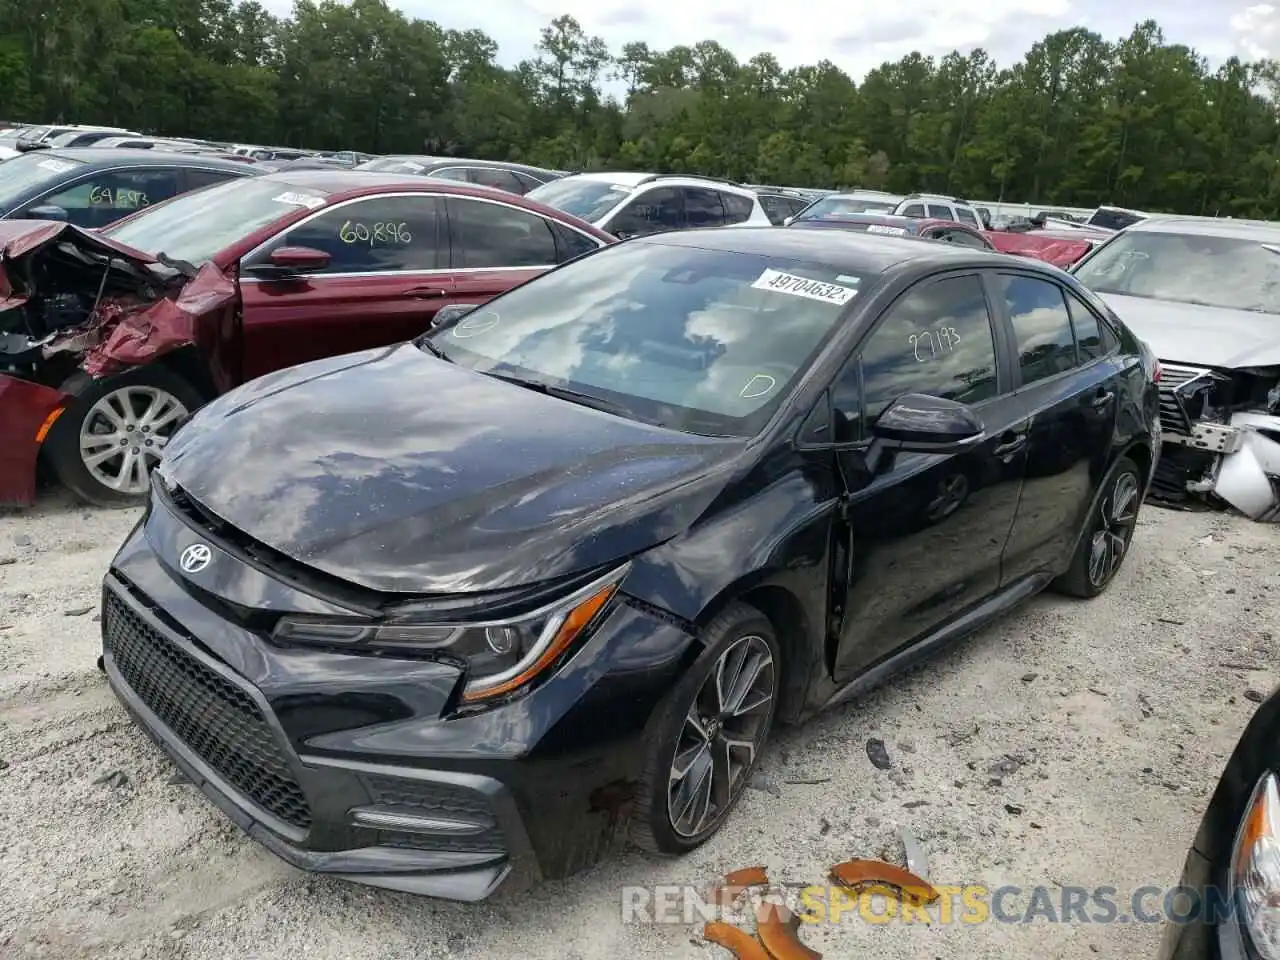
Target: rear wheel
105,445
706,738
1107,535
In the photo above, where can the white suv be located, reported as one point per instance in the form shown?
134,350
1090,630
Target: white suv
935,206
635,204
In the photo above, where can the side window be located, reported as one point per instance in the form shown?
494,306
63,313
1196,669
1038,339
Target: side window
374,235
651,212
571,243
105,197
737,209
1041,326
915,210
526,182
206,178
846,404
702,208
966,239
966,216
496,235
939,212
1093,339
936,340
493,177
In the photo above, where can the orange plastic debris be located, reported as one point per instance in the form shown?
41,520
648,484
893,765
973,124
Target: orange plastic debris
857,874
735,883
738,942
776,928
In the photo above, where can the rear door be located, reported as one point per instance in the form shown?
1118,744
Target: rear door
702,207
1068,375
654,210
387,276
494,246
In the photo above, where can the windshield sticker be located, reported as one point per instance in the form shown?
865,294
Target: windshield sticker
387,232
789,283
758,386
887,231
474,324
300,200
57,166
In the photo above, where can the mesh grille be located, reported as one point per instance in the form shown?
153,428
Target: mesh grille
212,716
443,800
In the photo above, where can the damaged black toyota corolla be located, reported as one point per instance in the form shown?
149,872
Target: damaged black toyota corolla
456,614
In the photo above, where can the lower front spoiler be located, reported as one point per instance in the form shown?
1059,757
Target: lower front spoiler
448,876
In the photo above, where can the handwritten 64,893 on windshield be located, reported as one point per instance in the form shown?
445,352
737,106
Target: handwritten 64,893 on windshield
374,233
931,344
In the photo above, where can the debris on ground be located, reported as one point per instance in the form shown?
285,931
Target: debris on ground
877,754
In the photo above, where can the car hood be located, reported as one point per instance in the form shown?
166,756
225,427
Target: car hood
1201,336
403,473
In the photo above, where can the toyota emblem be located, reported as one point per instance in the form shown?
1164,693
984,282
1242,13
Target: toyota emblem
195,558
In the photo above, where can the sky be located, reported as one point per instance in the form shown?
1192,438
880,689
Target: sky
859,34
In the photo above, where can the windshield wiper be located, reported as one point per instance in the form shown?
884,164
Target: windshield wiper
424,343
566,393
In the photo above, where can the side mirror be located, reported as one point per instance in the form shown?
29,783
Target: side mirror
448,316
48,212
291,262
919,423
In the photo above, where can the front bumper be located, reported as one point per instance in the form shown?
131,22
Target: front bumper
26,411
353,766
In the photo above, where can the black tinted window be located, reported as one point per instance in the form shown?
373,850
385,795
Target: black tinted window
493,177
526,182
495,235
914,210
1093,339
651,212
1041,327
966,239
736,209
702,208
941,213
382,233
775,208
571,242
206,178
935,340
966,216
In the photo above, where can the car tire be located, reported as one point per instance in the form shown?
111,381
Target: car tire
703,729
1107,535
134,413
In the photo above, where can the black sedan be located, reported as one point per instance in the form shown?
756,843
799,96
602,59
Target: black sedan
444,615
92,187
1228,907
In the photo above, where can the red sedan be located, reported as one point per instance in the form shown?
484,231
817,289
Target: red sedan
126,331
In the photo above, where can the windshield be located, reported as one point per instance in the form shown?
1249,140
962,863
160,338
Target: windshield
28,172
1226,272
1113,218
703,341
586,199
196,226
837,205
32,134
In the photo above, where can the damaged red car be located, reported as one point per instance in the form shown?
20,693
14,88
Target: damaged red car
110,339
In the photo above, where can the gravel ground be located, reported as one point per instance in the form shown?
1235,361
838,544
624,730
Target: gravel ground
1112,718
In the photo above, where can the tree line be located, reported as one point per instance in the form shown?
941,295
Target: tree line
1079,121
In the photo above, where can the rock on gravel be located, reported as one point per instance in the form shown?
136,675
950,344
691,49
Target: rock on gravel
140,866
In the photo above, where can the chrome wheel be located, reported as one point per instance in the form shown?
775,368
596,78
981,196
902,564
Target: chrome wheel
723,729
1118,517
124,435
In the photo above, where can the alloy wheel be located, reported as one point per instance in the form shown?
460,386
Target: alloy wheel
723,730
124,435
1116,522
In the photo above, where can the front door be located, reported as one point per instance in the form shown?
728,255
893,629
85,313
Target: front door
387,276
104,197
1069,385
925,531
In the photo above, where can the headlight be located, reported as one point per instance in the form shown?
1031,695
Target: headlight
1255,869
501,656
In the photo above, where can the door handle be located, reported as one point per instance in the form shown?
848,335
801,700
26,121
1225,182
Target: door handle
1011,445
426,293
1102,399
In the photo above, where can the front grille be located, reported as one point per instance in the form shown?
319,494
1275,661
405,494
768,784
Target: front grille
211,715
439,799
1173,416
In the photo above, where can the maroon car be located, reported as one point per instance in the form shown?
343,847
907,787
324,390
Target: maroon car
110,339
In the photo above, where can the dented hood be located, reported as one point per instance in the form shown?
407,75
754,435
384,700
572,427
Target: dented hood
1201,336
400,472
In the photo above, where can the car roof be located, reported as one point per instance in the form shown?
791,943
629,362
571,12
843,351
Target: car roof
1259,230
99,158
854,251
432,161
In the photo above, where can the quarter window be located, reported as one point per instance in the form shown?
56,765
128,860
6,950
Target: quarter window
571,243
375,235
1093,339
1041,326
495,177
935,340
496,235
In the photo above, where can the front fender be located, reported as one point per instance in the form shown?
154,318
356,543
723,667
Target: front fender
27,411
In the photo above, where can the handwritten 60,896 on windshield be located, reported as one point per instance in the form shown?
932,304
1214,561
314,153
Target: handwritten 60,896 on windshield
931,344
385,232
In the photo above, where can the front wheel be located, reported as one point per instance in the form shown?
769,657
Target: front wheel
1108,534
105,445
705,739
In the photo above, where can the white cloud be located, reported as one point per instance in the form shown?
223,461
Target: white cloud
1257,30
